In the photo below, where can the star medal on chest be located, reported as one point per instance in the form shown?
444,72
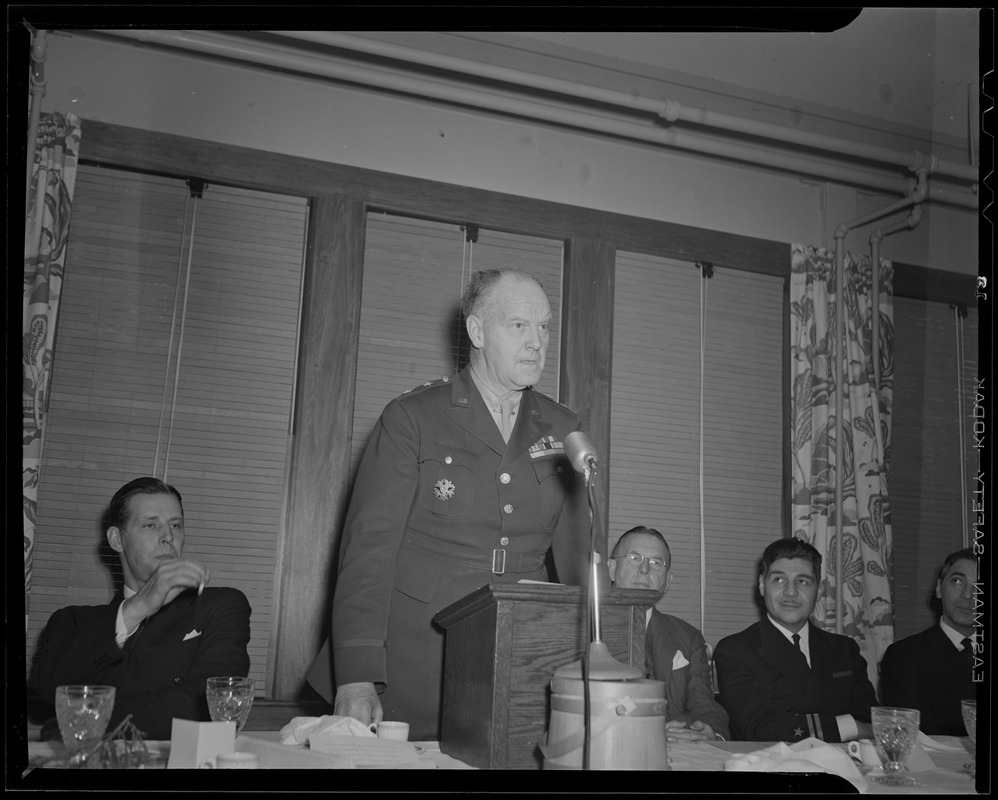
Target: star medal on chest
443,489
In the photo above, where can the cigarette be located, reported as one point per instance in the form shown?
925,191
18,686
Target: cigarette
200,588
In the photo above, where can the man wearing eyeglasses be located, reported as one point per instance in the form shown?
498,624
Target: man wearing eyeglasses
675,651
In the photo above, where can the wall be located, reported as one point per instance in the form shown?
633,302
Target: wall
139,86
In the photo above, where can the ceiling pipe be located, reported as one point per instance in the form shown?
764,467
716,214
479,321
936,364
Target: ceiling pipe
909,222
280,57
917,197
669,110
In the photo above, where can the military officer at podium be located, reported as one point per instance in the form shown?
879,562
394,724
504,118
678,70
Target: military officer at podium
463,482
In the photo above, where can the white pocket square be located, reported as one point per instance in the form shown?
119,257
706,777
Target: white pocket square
679,660
192,635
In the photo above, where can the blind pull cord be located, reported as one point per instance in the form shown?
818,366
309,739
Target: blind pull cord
196,191
169,350
707,272
467,257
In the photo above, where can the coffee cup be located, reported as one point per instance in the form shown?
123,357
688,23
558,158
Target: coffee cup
864,751
399,731
238,760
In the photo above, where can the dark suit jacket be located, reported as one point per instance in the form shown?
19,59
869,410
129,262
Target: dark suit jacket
689,690
160,671
438,490
927,672
771,695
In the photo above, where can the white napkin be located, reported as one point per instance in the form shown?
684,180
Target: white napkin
301,728
809,755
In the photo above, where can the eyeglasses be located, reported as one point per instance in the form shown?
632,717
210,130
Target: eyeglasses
655,563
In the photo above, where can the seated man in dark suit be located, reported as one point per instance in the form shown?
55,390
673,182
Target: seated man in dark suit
933,670
784,678
675,651
160,638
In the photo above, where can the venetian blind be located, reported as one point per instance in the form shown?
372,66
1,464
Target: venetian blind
114,369
927,500
411,330
656,430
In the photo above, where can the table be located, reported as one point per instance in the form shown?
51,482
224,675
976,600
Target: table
695,767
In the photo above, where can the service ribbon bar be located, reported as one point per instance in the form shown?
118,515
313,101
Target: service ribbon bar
546,446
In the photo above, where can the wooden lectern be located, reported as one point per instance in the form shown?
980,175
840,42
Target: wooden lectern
503,645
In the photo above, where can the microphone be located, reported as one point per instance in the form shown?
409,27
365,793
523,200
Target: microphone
580,452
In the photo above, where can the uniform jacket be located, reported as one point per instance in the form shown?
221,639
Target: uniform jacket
771,695
927,672
160,671
675,652
437,492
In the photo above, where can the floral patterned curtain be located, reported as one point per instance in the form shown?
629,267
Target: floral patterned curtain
866,571
46,229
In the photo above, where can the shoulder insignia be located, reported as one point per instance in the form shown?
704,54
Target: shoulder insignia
551,400
425,386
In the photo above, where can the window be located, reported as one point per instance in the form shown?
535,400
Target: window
925,479
121,408
655,428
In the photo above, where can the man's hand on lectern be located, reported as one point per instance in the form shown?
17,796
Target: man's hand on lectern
360,701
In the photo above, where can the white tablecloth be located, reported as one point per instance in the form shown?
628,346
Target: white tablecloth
948,777
267,745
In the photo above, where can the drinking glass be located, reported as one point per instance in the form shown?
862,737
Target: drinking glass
83,711
895,731
230,698
969,710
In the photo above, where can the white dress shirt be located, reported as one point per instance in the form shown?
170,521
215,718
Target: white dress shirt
120,634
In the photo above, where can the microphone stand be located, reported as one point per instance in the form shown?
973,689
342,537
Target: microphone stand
596,663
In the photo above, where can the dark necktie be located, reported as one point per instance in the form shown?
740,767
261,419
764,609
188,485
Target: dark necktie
796,638
968,651
506,414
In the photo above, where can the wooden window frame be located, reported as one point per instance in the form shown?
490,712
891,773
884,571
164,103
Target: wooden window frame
339,197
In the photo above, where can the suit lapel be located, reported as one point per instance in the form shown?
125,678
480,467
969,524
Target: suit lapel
821,657
665,653
174,621
675,689
780,654
943,652
468,410
530,426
